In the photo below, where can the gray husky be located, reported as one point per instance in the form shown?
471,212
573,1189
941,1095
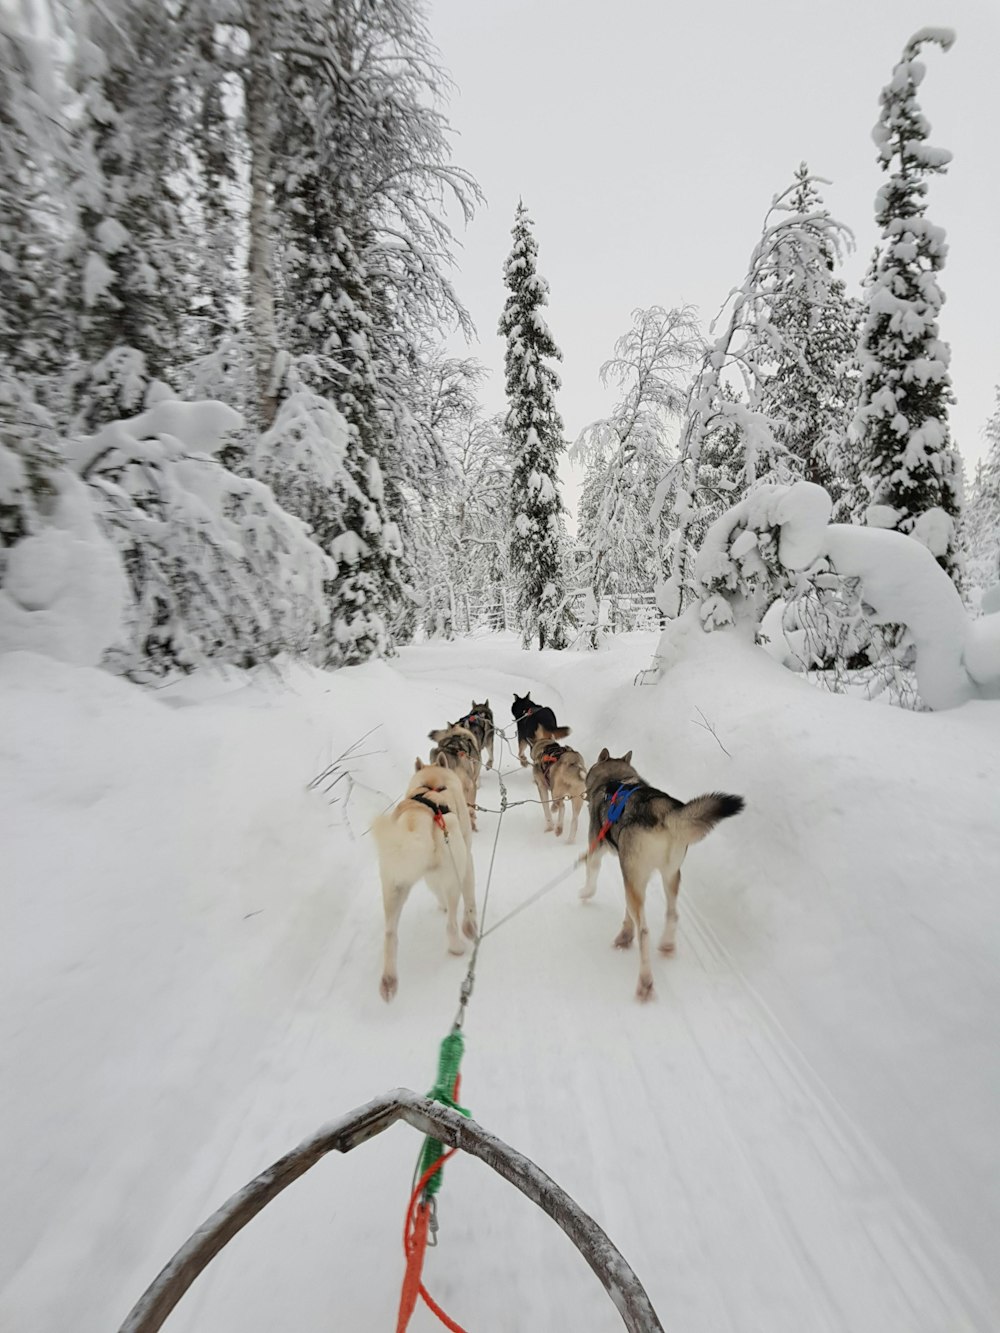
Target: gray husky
647,830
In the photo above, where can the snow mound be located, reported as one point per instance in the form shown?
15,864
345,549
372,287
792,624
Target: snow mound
64,590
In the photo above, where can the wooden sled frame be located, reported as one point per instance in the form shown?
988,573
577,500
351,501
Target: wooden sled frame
617,1278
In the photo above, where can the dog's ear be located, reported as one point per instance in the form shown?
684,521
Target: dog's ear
603,755
486,704
418,766
627,758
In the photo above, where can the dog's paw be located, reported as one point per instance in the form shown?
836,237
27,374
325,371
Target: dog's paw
388,987
623,940
667,947
586,893
469,928
558,832
644,991
456,946
549,828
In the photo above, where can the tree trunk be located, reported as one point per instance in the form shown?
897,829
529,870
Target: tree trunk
258,98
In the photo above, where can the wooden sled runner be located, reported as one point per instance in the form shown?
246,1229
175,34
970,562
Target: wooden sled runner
430,1118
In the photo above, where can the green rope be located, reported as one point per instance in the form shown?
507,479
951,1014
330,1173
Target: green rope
449,1060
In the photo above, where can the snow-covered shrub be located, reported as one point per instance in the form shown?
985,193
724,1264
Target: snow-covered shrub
62,589
778,541
217,570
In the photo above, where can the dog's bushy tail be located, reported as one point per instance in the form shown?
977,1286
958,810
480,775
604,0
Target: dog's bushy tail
703,813
557,733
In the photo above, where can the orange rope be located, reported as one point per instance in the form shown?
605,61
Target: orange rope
415,1247
418,1216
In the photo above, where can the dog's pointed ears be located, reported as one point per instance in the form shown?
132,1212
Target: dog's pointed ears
603,755
486,704
418,766
627,758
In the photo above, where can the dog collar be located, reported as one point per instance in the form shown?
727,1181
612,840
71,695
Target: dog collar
439,811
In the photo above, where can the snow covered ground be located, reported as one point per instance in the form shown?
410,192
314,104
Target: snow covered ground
799,1134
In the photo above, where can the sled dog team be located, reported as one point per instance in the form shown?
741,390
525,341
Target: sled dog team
428,835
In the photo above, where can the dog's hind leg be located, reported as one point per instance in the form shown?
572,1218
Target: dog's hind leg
545,798
470,915
635,900
671,887
577,804
451,879
393,898
560,809
594,857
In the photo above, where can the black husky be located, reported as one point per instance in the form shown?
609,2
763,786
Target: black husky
532,718
479,720
647,830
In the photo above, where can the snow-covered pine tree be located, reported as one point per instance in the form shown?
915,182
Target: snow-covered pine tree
534,432
32,330
983,515
629,452
462,528
361,165
132,244
811,388
221,285
725,408
908,462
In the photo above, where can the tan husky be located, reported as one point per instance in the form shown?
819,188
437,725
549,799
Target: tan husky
648,831
457,748
427,836
560,775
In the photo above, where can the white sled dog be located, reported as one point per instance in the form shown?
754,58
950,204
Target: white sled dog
427,836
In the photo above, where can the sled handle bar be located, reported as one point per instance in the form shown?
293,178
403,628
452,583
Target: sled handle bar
357,1127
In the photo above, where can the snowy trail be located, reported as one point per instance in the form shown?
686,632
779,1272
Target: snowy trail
689,1127
694,1129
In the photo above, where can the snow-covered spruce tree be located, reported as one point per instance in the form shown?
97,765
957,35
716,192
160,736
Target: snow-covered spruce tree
221,284
725,406
811,389
534,432
629,452
908,463
32,330
336,484
362,166
983,516
127,262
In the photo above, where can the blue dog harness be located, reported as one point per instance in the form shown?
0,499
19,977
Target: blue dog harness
619,800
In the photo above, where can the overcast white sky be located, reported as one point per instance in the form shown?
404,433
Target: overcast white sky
648,137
